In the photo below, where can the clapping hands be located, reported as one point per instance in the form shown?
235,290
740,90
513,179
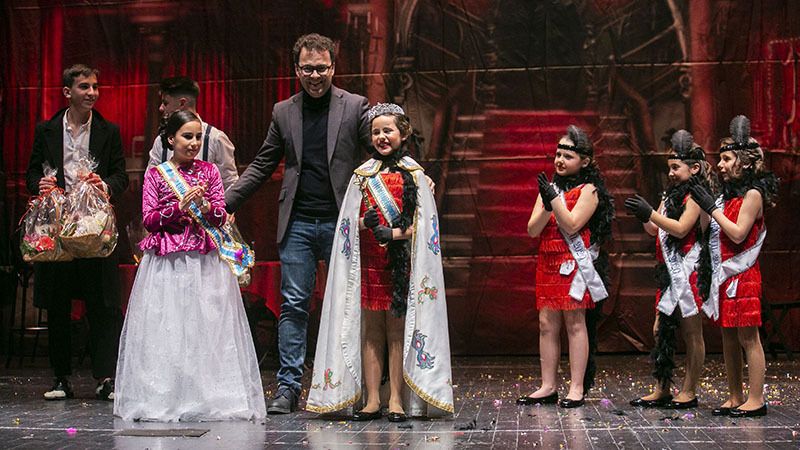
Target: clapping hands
639,207
546,190
195,195
702,196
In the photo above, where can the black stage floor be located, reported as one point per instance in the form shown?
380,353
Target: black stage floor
486,416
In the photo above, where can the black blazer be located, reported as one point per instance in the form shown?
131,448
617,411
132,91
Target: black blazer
105,145
348,136
99,277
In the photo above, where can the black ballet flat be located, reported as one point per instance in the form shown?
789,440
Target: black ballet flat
736,412
567,403
361,416
683,405
657,403
396,417
722,411
551,399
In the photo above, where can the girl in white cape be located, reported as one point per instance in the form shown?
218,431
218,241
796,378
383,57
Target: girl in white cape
385,289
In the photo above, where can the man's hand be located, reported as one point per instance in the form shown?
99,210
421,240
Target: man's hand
371,218
702,197
639,207
382,234
95,180
46,183
546,191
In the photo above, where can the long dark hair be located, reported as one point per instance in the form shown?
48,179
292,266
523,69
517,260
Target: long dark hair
174,123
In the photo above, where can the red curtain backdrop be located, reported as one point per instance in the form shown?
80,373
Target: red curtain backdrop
490,85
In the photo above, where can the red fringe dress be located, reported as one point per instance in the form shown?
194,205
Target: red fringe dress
552,288
376,277
686,244
744,310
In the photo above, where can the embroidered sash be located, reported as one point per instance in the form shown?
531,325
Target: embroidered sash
679,292
587,276
238,255
383,198
723,270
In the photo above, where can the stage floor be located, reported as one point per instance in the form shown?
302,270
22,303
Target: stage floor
486,415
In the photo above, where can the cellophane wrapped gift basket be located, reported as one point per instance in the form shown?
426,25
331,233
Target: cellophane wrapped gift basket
89,228
42,225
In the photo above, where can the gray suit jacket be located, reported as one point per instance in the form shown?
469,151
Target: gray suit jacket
348,135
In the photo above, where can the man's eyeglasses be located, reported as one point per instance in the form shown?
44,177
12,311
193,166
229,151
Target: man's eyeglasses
309,70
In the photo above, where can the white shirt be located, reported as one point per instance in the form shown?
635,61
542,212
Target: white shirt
220,153
76,147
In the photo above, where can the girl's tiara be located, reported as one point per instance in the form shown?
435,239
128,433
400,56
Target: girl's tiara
382,109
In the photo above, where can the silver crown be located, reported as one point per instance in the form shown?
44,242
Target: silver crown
384,108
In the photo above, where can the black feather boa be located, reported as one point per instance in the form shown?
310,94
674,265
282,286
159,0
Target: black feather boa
663,353
600,227
765,182
399,250
600,223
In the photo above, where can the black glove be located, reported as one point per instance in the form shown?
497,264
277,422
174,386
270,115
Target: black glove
371,218
546,191
382,234
639,207
702,197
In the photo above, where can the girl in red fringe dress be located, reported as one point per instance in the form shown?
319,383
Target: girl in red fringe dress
681,273
572,216
736,234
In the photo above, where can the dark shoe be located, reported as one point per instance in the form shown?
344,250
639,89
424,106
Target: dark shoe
285,402
683,405
567,403
361,416
61,390
396,417
105,390
657,403
721,411
551,399
736,412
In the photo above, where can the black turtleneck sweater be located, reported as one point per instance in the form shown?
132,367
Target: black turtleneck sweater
315,199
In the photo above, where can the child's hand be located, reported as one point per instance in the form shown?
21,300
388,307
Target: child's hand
702,197
546,191
382,234
371,219
639,207
193,195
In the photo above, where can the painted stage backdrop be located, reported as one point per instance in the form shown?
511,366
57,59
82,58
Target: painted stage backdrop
490,85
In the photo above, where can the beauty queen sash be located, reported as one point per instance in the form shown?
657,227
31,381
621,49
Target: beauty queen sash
383,198
238,255
679,292
587,276
723,270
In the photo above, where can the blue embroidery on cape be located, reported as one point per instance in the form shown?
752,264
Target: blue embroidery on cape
344,229
424,359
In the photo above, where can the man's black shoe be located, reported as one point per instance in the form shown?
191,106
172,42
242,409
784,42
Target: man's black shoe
105,390
61,390
285,402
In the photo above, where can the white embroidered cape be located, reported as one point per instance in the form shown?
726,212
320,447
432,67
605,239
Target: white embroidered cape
337,380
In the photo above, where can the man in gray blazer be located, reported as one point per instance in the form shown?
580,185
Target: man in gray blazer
321,134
